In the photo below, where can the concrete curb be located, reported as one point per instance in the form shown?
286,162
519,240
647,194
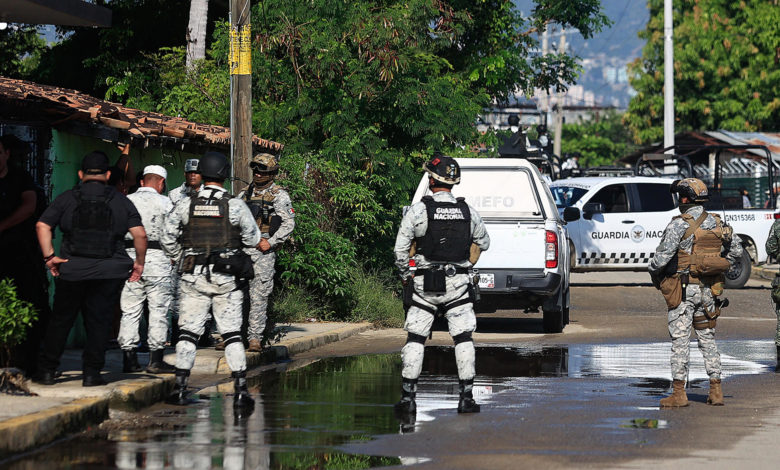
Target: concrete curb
763,273
35,429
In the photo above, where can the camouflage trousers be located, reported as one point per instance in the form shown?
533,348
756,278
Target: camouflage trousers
777,332
158,292
680,325
260,289
460,319
198,294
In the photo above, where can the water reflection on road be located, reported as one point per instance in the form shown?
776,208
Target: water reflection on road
303,417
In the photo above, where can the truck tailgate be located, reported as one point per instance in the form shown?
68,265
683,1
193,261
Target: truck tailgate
514,246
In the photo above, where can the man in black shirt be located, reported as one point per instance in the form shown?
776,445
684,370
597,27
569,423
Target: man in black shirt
21,258
92,267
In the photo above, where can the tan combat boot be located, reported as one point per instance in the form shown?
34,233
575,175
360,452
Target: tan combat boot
678,397
254,345
715,397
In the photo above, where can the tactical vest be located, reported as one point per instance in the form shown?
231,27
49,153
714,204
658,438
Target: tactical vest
92,232
262,208
705,260
209,228
448,237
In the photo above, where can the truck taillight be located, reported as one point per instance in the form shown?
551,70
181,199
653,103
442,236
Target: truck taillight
551,249
777,215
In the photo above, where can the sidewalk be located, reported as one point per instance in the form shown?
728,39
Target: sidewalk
67,407
765,272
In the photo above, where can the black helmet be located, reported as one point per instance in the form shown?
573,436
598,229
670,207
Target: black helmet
214,166
443,169
692,188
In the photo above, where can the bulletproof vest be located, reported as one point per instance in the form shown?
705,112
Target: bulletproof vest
209,228
262,208
448,237
92,226
705,259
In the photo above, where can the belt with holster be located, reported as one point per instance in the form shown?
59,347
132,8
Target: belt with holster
449,271
150,245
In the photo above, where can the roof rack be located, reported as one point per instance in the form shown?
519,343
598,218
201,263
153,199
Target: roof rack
605,170
656,164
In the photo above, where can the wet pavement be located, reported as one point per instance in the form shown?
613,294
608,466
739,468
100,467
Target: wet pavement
598,399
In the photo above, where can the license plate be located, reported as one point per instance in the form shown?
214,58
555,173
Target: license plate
487,281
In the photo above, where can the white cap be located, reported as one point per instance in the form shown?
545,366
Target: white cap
155,170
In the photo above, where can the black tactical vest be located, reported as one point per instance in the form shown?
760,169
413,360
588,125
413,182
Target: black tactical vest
448,237
209,228
92,232
262,208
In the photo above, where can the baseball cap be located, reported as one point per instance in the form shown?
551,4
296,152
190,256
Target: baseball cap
155,170
95,163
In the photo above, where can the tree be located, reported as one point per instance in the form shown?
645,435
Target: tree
726,68
599,141
196,31
20,50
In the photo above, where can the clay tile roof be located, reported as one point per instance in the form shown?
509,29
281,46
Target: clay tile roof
58,106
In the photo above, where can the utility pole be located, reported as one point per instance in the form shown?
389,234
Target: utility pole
545,50
240,93
668,76
559,105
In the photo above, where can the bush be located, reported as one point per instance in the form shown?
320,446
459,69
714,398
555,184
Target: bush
16,317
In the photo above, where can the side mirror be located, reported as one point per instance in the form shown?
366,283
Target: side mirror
570,214
592,208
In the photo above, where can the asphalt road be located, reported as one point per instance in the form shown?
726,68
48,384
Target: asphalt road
588,397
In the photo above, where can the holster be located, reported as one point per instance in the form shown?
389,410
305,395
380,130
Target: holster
435,281
238,264
406,295
672,290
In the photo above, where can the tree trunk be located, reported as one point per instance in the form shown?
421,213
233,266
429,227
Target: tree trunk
196,31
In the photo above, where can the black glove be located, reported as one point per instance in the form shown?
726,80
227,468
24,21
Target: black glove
656,279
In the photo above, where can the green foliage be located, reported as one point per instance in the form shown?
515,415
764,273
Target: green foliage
20,51
16,317
725,63
600,141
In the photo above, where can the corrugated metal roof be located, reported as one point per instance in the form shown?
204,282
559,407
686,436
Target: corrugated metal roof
770,139
61,106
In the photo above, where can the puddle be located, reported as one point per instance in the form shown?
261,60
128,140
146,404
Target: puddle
306,418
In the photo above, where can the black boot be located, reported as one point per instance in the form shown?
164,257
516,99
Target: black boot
179,394
777,367
406,408
130,361
157,365
467,403
241,398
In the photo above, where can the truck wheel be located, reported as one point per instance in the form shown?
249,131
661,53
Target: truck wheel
566,305
738,275
552,321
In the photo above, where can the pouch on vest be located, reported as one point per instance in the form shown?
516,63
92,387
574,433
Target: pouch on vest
671,288
238,264
435,281
92,234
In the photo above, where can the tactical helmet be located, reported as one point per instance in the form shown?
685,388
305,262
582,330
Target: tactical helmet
692,188
443,169
191,165
264,163
214,166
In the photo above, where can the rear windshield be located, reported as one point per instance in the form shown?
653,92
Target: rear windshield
499,193
566,196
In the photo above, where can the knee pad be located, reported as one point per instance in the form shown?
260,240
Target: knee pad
415,338
188,336
462,338
232,337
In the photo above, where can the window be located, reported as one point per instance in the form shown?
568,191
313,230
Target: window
655,197
566,196
613,197
498,193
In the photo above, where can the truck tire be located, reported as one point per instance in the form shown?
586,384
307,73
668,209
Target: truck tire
552,315
738,275
566,306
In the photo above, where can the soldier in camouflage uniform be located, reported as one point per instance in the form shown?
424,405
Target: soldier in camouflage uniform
206,234
193,182
273,211
443,230
773,250
676,260
155,285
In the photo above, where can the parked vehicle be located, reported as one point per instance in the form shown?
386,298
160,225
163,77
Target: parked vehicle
527,265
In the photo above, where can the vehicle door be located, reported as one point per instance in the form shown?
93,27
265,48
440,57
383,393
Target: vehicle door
655,208
605,228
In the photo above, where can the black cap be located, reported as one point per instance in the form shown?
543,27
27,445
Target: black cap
95,163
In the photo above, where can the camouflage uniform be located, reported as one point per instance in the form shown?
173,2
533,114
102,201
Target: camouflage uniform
203,288
181,192
155,285
177,195
773,250
461,319
262,285
697,297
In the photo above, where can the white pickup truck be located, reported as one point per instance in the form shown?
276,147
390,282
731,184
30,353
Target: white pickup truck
527,265
616,223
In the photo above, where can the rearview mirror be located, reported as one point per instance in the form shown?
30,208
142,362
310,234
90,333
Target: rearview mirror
592,208
570,214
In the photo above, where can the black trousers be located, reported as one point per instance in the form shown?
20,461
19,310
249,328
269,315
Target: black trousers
96,300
